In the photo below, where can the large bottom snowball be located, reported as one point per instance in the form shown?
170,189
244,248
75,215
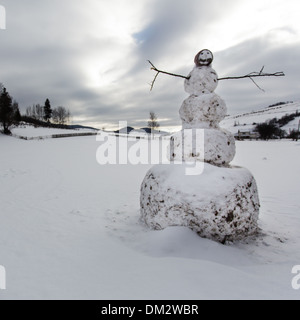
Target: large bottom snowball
220,204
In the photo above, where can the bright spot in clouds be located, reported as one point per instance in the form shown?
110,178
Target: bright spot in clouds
256,18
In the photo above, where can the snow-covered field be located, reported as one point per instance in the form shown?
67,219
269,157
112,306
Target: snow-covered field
70,229
30,131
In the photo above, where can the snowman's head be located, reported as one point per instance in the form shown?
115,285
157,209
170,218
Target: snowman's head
204,58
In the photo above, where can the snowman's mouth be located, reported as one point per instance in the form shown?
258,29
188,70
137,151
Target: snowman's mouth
205,61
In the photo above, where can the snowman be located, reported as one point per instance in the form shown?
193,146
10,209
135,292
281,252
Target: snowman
203,109
222,202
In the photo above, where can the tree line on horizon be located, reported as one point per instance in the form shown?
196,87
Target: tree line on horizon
59,115
37,115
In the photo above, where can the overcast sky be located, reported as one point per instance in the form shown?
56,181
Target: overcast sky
91,56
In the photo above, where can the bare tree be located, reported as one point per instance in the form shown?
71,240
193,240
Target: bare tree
28,112
39,111
35,112
153,123
60,115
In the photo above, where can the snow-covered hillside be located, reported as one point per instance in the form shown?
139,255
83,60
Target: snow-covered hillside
248,120
70,229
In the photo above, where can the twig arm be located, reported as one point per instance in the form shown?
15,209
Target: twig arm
255,75
249,75
168,73
164,72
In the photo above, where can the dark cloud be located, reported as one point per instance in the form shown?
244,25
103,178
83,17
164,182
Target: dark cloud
173,22
251,56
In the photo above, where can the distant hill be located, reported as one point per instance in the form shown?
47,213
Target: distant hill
148,130
77,126
248,121
125,130
128,130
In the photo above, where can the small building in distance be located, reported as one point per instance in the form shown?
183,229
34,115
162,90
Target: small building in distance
246,135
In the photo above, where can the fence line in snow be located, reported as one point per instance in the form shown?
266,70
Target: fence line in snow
84,134
56,136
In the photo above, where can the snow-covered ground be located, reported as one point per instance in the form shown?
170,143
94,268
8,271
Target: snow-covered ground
30,131
247,121
292,125
70,229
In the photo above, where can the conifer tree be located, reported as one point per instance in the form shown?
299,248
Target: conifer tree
6,110
16,113
47,111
